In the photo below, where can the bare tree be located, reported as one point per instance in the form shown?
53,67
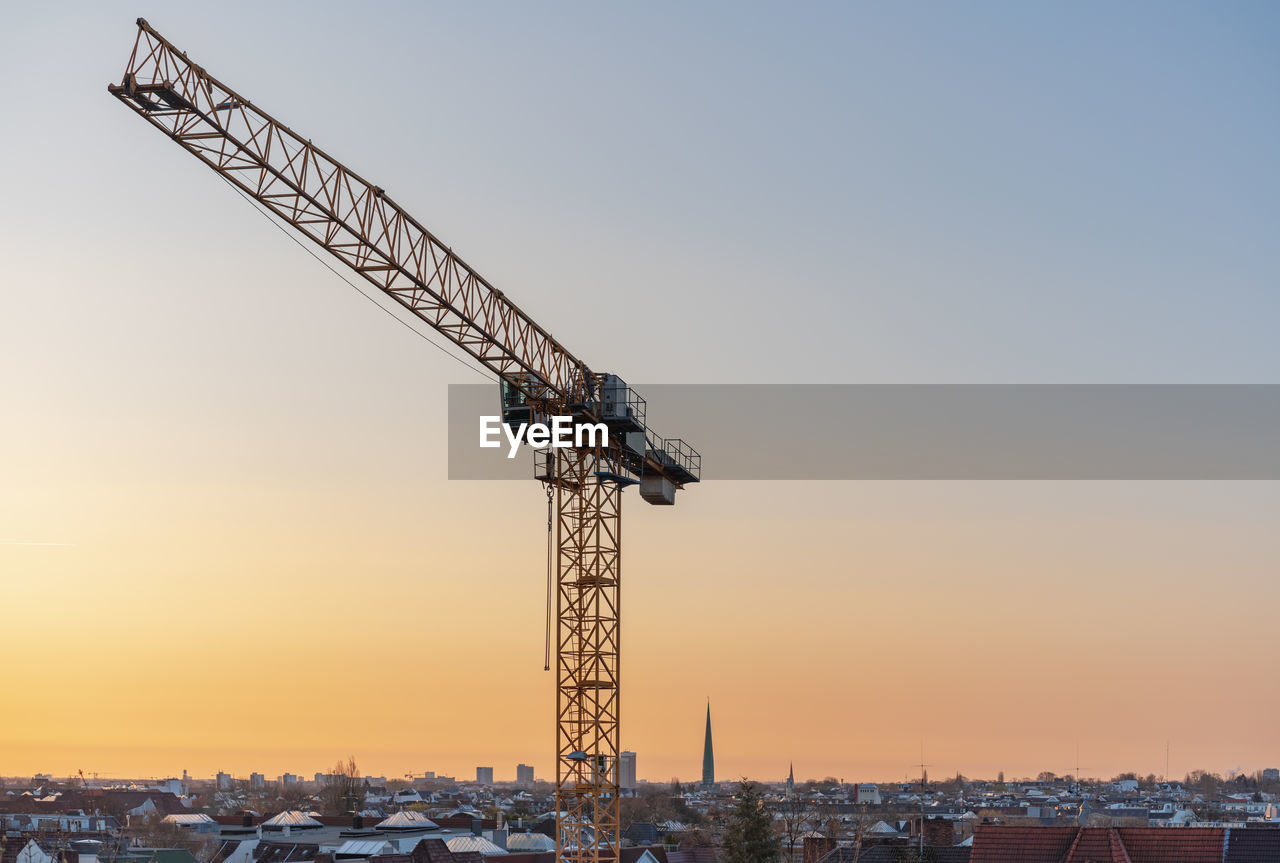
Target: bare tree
343,790
293,796
793,818
1203,781
859,824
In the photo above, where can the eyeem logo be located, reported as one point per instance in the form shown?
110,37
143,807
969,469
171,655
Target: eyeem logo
562,433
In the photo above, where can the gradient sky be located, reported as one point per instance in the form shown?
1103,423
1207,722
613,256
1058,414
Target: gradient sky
252,560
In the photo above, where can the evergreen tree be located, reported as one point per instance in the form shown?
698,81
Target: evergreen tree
749,836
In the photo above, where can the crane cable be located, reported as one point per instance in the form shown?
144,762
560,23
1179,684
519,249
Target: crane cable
268,216
546,656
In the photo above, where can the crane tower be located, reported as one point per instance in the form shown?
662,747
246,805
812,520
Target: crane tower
359,224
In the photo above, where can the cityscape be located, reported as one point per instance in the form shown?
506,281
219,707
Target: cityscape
568,432
342,815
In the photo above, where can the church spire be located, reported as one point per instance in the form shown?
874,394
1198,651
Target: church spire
708,756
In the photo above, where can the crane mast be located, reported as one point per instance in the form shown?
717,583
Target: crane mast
358,223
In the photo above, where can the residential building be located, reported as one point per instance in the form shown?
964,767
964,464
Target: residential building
627,771
867,793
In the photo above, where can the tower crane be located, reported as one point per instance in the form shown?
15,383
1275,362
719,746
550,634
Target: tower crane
359,224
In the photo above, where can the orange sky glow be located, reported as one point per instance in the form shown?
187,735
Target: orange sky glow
227,537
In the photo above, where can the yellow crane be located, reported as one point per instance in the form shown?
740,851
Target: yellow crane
359,224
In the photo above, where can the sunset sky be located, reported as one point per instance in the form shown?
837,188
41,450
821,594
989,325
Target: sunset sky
226,537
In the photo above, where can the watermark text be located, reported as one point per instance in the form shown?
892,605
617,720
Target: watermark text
562,432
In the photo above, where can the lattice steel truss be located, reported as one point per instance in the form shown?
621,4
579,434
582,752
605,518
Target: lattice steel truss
589,582
350,217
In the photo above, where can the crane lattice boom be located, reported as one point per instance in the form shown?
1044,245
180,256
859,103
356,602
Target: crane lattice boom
334,206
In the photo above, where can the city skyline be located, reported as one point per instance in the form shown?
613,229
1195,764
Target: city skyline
225,514
497,772
261,779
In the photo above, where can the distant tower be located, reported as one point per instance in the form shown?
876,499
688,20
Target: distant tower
627,771
708,757
791,780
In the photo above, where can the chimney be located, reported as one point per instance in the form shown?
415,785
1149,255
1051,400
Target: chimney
357,822
500,838
817,847
477,826
246,820
939,831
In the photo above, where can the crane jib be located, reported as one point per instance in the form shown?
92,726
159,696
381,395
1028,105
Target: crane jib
351,218
359,224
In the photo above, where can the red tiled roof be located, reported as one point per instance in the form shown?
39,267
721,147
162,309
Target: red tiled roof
97,799
1003,844
1095,846
1118,852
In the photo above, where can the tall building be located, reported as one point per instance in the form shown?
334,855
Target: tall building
484,775
708,757
627,771
257,782
224,781
524,775
791,780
